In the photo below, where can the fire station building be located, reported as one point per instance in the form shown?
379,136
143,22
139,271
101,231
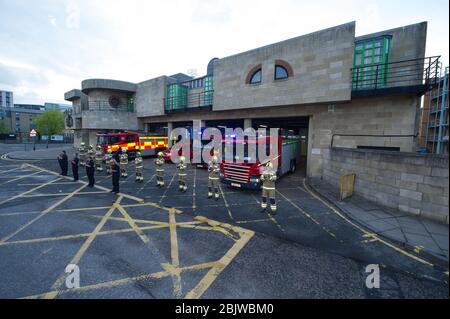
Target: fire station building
330,88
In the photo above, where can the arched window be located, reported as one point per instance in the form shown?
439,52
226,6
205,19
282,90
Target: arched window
256,77
281,72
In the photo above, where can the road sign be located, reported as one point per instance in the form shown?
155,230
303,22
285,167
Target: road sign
33,133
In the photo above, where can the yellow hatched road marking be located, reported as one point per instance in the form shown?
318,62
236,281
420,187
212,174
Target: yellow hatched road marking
101,233
21,177
42,214
307,215
174,253
124,281
58,283
226,203
223,262
28,191
10,170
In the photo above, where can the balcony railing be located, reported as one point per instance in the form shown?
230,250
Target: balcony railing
409,76
192,101
109,107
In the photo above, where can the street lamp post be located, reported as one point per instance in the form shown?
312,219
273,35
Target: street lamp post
48,137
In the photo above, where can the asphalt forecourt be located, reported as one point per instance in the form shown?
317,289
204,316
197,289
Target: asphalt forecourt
150,242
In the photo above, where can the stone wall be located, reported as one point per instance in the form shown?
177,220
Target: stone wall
321,63
414,183
149,97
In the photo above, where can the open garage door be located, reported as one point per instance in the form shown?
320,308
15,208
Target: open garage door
297,126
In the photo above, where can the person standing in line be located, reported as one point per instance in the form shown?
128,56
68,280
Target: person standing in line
268,178
108,158
159,162
213,178
82,150
123,163
90,169
182,186
99,159
115,173
75,162
139,165
63,163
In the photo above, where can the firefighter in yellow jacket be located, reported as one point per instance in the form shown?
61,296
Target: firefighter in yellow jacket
268,178
213,178
139,164
123,163
182,186
83,152
107,158
99,159
159,162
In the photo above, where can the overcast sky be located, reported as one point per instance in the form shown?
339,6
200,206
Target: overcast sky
49,46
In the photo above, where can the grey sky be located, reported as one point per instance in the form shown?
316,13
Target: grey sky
50,46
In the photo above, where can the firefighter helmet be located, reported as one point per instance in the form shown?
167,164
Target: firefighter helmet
138,153
160,154
82,143
124,149
269,164
182,159
215,159
109,151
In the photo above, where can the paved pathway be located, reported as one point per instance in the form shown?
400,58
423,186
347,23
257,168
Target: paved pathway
422,235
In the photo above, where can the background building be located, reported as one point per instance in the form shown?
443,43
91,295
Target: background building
57,106
434,133
20,118
6,99
331,87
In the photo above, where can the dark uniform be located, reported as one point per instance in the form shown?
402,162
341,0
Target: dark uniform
75,162
63,163
115,172
90,169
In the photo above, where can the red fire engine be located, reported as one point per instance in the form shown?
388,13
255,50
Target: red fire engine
246,173
148,145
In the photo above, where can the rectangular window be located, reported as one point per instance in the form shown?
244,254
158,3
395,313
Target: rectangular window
369,63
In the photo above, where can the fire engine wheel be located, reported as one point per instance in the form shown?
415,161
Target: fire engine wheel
293,167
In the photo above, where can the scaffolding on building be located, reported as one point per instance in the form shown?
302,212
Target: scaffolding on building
437,130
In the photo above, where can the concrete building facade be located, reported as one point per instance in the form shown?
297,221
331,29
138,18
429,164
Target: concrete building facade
334,89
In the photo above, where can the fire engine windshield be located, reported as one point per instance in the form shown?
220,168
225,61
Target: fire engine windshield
102,140
247,152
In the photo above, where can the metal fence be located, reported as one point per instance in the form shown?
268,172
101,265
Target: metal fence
414,72
108,107
200,100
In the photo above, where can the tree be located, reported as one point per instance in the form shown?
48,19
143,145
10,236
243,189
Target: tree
4,129
50,122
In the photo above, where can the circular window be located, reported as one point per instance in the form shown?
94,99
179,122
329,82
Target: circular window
114,101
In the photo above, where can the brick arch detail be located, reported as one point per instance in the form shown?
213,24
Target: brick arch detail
287,66
251,72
